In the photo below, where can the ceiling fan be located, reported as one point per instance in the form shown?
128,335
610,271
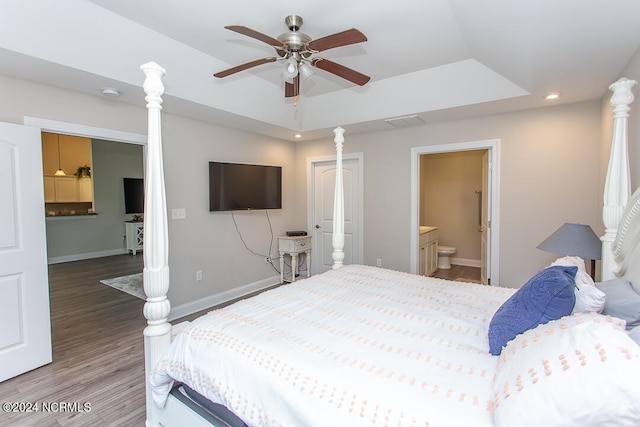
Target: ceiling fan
295,50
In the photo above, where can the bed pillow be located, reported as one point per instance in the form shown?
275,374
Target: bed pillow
546,296
622,301
635,334
588,297
581,370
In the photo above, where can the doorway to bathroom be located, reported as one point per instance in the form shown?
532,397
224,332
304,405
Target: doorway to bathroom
455,188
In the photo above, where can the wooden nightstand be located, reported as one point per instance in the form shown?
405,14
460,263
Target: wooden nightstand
292,246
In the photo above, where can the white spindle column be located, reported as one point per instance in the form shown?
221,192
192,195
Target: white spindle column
338,203
617,187
157,334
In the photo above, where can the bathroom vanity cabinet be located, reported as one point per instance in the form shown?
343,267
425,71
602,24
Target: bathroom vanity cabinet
428,250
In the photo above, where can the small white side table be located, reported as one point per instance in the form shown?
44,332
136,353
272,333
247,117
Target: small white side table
134,235
292,246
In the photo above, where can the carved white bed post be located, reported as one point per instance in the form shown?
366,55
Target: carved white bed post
617,187
338,203
157,334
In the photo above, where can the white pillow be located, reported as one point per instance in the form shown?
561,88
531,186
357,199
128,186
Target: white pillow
588,297
580,370
571,261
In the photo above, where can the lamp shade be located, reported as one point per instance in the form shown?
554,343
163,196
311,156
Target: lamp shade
573,240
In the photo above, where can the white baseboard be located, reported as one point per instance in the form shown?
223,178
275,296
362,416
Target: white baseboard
467,262
89,255
219,298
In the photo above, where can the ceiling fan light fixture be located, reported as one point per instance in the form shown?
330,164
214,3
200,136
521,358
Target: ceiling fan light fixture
305,70
290,70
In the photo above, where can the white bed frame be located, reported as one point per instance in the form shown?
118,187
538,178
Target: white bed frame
620,243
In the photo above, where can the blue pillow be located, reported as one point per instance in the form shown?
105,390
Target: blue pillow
547,296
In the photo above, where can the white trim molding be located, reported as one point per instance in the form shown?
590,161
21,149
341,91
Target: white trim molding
67,128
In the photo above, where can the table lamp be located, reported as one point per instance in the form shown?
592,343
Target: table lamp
574,240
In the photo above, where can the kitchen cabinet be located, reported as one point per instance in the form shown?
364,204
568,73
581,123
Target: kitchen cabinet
60,189
67,189
85,190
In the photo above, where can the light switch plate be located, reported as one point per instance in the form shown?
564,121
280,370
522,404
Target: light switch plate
180,213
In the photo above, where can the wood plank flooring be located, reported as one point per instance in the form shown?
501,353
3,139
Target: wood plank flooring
459,272
98,356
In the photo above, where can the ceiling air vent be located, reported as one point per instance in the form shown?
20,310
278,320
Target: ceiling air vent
401,122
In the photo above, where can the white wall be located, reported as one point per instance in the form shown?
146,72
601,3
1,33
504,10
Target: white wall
548,176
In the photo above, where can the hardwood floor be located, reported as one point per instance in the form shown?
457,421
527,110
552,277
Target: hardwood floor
97,351
459,272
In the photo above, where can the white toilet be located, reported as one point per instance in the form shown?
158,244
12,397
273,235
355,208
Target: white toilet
444,252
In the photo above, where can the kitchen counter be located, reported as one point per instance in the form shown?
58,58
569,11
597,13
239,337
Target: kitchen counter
70,215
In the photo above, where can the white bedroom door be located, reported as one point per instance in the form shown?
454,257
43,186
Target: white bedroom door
25,330
324,178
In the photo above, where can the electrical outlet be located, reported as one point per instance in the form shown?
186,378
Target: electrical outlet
379,262
199,275
267,260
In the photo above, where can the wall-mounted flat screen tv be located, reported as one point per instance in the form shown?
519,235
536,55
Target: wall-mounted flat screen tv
133,195
236,186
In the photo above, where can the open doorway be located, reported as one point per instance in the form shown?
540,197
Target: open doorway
115,155
481,206
451,203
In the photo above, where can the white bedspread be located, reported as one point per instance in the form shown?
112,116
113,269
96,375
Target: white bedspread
358,346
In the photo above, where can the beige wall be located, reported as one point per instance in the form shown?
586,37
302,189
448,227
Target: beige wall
448,200
548,175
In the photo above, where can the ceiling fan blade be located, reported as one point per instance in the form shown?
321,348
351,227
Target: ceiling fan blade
255,34
343,38
341,71
243,67
292,89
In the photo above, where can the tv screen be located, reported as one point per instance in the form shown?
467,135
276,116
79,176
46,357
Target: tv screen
235,186
133,195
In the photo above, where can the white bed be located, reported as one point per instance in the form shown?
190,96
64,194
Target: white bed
361,345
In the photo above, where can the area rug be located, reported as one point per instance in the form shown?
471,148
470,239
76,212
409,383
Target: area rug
131,284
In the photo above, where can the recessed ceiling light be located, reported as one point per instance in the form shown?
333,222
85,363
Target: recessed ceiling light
297,135
111,92
553,95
